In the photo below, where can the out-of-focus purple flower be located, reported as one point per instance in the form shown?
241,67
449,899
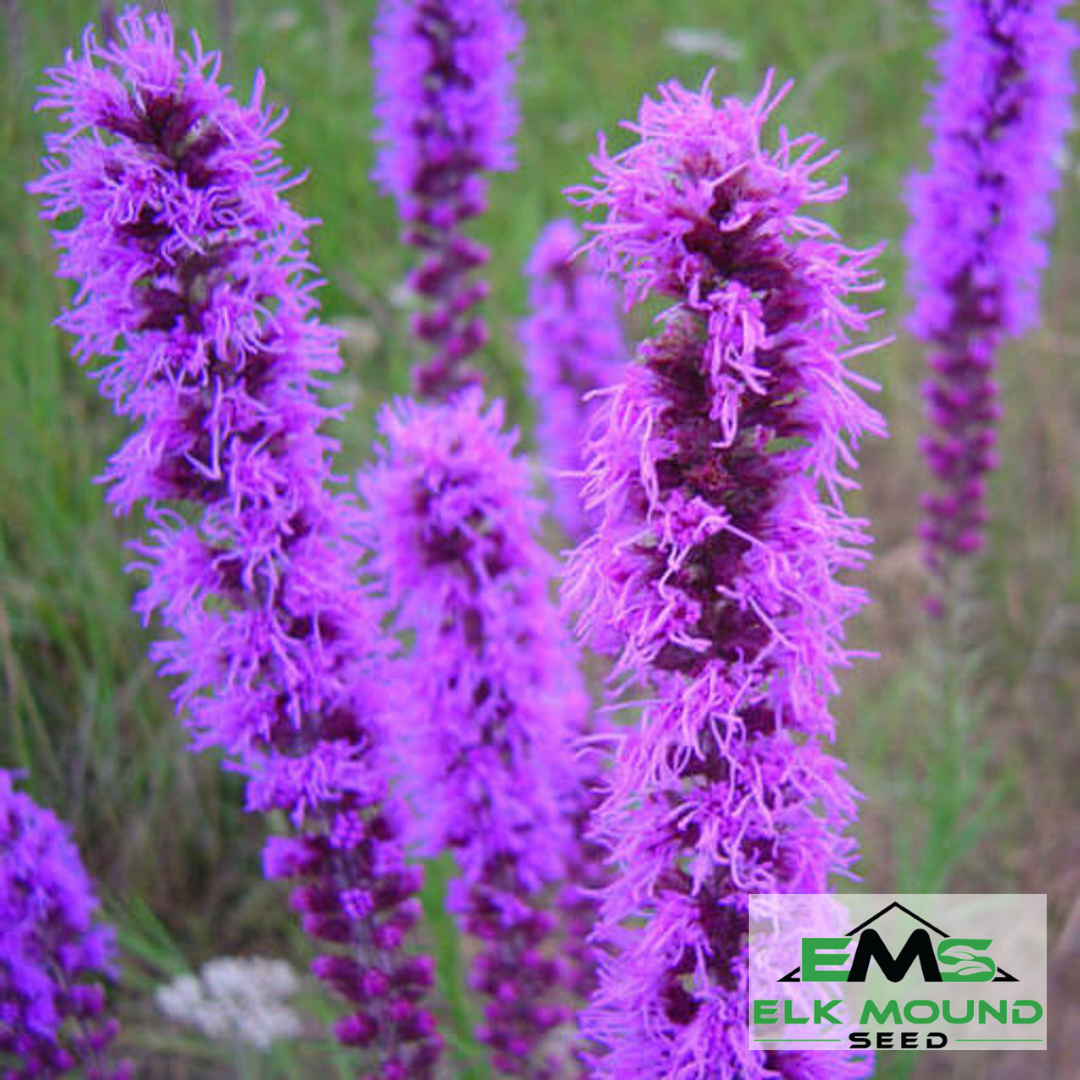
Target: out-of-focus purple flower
717,465
574,343
446,116
587,870
495,699
55,952
976,247
195,299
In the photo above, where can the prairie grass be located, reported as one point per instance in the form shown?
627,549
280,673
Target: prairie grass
968,767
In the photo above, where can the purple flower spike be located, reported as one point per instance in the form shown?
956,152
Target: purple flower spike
574,344
195,297
716,467
55,953
446,114
496,700
975,248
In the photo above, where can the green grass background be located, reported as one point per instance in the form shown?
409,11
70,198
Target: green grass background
969,778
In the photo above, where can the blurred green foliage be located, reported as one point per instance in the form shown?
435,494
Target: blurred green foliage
82,711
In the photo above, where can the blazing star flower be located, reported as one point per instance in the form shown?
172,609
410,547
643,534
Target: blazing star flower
573,344
975,248
194,298
717,466
446,116
496,696
55,952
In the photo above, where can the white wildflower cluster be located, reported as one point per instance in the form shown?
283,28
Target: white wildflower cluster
235,999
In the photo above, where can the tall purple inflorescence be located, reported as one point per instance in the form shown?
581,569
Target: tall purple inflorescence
54,950
974,249
195,294
495,700
574,344
443,81
494,686
717,466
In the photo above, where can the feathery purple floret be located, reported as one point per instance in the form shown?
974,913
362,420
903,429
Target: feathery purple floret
717,465
574,344
55,952
195,299
493,700
446,116
976,247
